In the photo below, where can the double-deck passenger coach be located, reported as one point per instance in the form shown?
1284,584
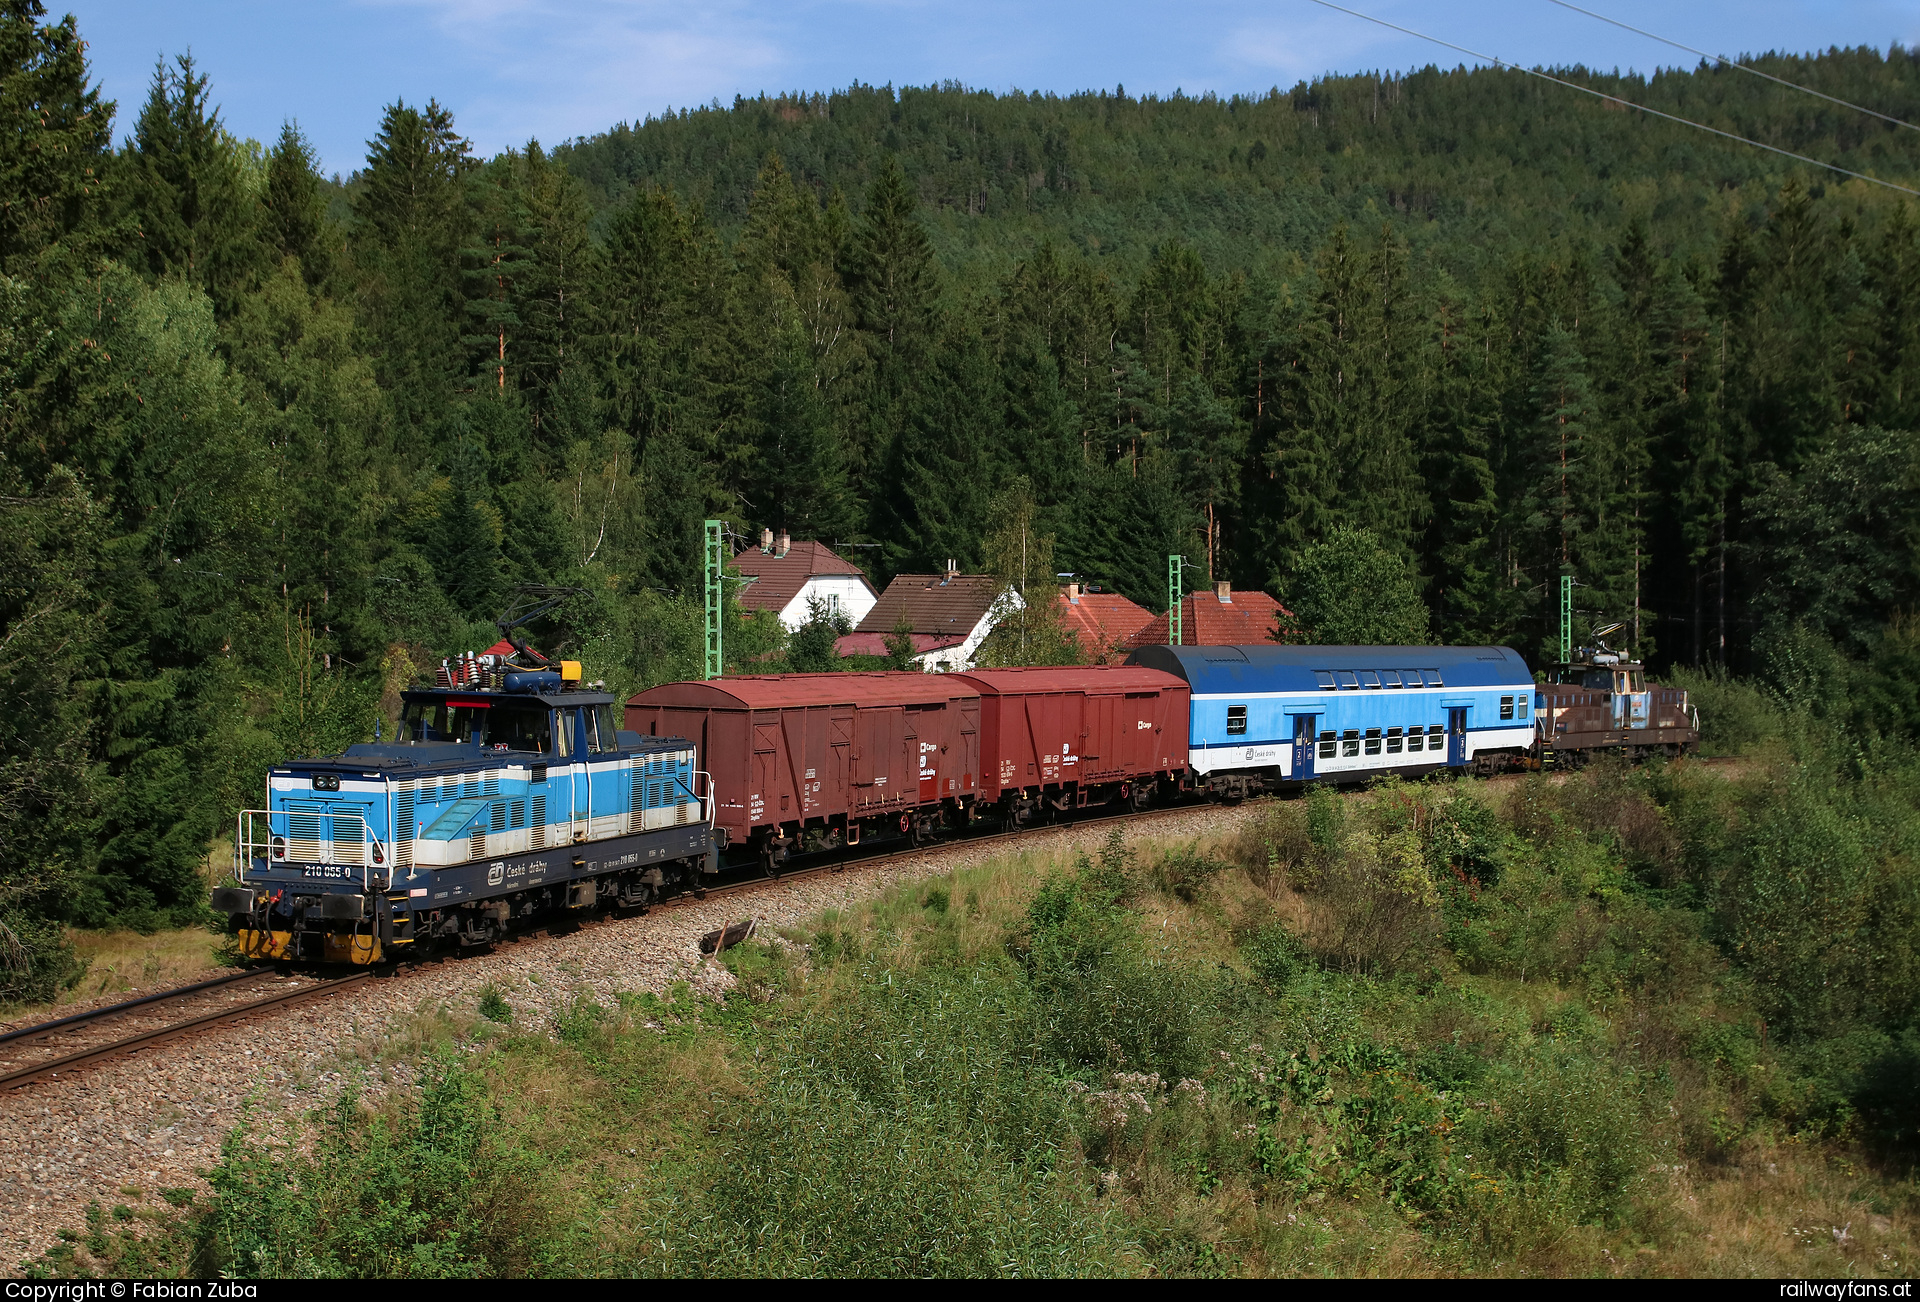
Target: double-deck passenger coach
1268,716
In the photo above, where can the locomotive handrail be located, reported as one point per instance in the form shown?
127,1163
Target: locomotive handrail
707,799
249,839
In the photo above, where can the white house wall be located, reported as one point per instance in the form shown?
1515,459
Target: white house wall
856,598
959,659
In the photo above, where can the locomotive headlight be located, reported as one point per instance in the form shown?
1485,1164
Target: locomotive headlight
279,847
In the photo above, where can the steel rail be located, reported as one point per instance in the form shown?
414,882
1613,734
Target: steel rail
87,1057
114,1010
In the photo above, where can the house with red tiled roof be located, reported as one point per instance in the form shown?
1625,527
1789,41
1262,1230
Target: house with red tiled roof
1100,621
947,616
786,577
1220,617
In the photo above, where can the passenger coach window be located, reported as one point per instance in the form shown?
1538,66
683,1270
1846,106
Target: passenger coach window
1236,721
1324,677
1506,707
1433,677
1326,745
1520,703
1368,678
1390,677
1347,680
1350,743
1393,741
1373,741
1436,737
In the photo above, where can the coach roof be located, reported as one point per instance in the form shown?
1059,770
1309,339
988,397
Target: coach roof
1245,670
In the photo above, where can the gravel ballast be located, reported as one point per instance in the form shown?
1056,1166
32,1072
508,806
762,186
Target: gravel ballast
154,1122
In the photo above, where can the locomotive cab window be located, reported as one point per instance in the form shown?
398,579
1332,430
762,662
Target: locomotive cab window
438,721
563,733
602,738
1236,721
520,730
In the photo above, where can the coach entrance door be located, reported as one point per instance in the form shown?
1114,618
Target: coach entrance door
1303,732
1457,735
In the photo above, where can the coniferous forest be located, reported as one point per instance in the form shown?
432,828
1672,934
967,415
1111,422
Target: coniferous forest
274,442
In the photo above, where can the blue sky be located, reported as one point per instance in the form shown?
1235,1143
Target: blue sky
514,69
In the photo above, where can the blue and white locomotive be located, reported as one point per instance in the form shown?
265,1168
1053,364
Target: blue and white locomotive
1267,716
501,797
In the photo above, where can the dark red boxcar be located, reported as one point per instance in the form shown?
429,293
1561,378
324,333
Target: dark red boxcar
1084,731
792,753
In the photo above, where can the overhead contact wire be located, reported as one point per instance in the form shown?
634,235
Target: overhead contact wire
1721,58
1624,103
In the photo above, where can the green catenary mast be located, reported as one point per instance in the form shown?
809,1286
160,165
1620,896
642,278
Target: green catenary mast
716,593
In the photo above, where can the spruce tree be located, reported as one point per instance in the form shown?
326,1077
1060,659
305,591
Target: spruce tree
191,211
462,546
410,223
55,133
294,213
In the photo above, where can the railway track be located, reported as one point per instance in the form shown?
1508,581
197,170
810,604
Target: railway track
54,1050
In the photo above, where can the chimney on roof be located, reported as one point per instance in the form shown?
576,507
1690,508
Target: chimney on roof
766,540
1224,591
782,543
1073,593
953,569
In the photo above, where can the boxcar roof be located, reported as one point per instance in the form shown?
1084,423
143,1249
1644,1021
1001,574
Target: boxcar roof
1225,670
780,691
1072,678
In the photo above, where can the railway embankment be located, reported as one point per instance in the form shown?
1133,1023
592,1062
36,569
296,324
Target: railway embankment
1625,1023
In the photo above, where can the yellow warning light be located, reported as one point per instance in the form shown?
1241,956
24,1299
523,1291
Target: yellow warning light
570,671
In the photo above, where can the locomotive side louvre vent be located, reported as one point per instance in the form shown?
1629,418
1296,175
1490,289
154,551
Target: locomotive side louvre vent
303,832
540,820
498,821
637,811
469,788
403,824
490,784
480,841
519,819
